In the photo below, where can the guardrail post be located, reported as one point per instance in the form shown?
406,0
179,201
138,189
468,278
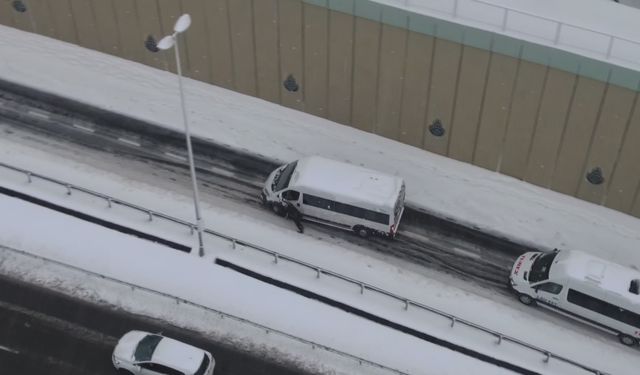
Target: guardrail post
610,47
317,273
29,177
547,357
504,19
499,339
453,321
275,258
192,229
68,189
233,244
361,288
406,304
109,202
557,37
150,215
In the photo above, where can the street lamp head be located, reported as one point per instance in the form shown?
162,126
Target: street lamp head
166,42
182,23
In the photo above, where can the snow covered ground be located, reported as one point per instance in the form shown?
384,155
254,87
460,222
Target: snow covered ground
122,257
467,194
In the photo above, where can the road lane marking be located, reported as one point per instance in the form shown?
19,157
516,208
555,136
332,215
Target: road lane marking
175,156
466,253
6,349
85,128
129,142
222,172
38,114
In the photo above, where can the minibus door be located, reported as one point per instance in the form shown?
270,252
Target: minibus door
548,293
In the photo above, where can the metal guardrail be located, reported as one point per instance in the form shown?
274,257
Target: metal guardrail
561,27
222,314
319,271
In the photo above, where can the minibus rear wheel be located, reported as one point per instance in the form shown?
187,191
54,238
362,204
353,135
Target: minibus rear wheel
627,340
526,299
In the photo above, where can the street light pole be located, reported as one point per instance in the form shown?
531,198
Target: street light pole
165,43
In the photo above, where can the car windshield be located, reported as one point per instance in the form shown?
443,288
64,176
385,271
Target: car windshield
281,180
203,366
540,267
146,347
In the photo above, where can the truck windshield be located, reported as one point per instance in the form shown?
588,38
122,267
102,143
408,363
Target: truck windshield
540,267
281,181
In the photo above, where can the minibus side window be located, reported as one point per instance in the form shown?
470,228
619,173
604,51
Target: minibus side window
552,288
605,308
291,195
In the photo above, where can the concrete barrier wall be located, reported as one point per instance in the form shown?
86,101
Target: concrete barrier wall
546,116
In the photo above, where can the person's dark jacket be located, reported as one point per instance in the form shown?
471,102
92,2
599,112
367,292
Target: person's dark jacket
291,211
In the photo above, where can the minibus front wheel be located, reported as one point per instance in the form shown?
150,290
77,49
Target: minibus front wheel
526,299
277,209
361,231
627,340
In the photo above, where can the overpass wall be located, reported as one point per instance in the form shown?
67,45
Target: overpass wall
553,118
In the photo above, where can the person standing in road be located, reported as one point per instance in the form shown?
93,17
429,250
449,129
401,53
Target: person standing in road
293,213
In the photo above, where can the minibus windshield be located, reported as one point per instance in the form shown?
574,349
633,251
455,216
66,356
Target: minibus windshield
282,179
540,267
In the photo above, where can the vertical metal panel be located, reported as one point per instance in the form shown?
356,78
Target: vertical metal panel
392,62
291,51
85,22
550,125
316,48
6,13
150,25
219,37
365,73
444,78
131,39
41,15
524,110
169,11
416,85
625,180
265,15
469,98
63,22
340,66
607,140
495,111
197,48
107,27
575,141
242,45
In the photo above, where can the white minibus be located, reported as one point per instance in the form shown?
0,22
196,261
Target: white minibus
583,287
338,194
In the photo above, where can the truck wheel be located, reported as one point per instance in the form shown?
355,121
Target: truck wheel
526,299
627,340
362,231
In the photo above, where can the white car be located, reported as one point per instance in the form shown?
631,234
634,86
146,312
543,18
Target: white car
144,353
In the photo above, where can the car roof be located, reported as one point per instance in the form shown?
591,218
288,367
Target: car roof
347,182
178,355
